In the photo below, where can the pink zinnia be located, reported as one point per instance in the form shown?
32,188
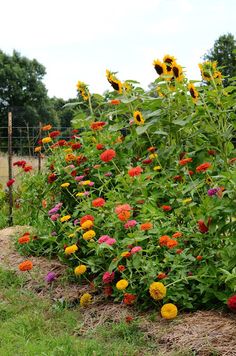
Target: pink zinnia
136,249
110,241
121,208
78,178
103,239
54,217
130,223
108,277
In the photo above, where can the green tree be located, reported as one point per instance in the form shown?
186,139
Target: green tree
224,52
23,93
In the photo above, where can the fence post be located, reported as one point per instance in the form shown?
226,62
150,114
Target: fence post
39,154
10,218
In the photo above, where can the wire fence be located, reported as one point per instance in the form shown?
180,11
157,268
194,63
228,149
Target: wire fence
17,144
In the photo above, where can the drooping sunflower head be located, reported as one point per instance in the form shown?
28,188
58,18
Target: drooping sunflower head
127,87
218,77
168,60
115,83
138,118
82,88
160,67
177,71
208,70
193,92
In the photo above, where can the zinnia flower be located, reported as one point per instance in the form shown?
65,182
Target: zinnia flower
99,146
24,239
89,235
10,182
46,140
202,227
108,277
122,284
124,215
169,311
203,167
135,249
81,269
212,191
231,302
46,127
65,185
98,125
98,202
121,208
107,155
54,134
50,277
157,290
86,217
85,300
25,266
130,223
87,224
136,171
129,298
121,268
177,234
171,243
65,218
71,249
146,226
163,240
185,161
166,207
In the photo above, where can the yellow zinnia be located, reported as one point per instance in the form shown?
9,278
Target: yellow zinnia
89,235
85,300
65,218
138,118
122,284
153,155
46,140
81,269
187,200
71,249
169,311
157,290
65,185
157,168
87,224
37,149
80,194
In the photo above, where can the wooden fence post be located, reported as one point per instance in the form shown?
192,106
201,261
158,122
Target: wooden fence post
10,218
39,154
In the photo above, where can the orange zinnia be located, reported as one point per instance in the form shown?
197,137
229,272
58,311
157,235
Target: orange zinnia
177,234
163,240
115,102
98,202
146,226
24,239
184,161
46,127
124,215
171,243
107,155
203,167
25,266
136,171
98,125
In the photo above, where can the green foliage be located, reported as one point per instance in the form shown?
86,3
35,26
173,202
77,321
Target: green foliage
195,197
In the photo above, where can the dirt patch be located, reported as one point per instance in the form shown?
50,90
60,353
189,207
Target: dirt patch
203,333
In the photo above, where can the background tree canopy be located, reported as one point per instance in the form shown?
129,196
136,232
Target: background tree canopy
224,52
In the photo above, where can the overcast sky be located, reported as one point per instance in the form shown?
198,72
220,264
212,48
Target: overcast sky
79,40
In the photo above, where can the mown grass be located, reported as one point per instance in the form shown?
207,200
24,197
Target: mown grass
32,326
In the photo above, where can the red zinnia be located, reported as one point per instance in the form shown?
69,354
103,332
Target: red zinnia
202,227
107,155
97,125
115,102
185,161
28,168
161,275
54,134
85,218
52,177
136,171
121,268
190,173
203,167
231,302
24,239
199,258
147,161
166,207
129,298
10,182
98,202
99,146
76,146
178,178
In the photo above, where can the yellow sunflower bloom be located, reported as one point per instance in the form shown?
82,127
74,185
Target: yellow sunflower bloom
122,284
177,71
169,311
160,67
208,70
138,118
157,290
83,90
115,83
194,93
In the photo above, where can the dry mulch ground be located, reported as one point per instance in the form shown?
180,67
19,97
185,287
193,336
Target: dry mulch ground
203,333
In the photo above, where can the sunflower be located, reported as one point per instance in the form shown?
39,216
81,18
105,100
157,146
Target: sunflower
218,77
160,67
168,60
194,93
83,90
115,83
208,70
177,71
138,118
